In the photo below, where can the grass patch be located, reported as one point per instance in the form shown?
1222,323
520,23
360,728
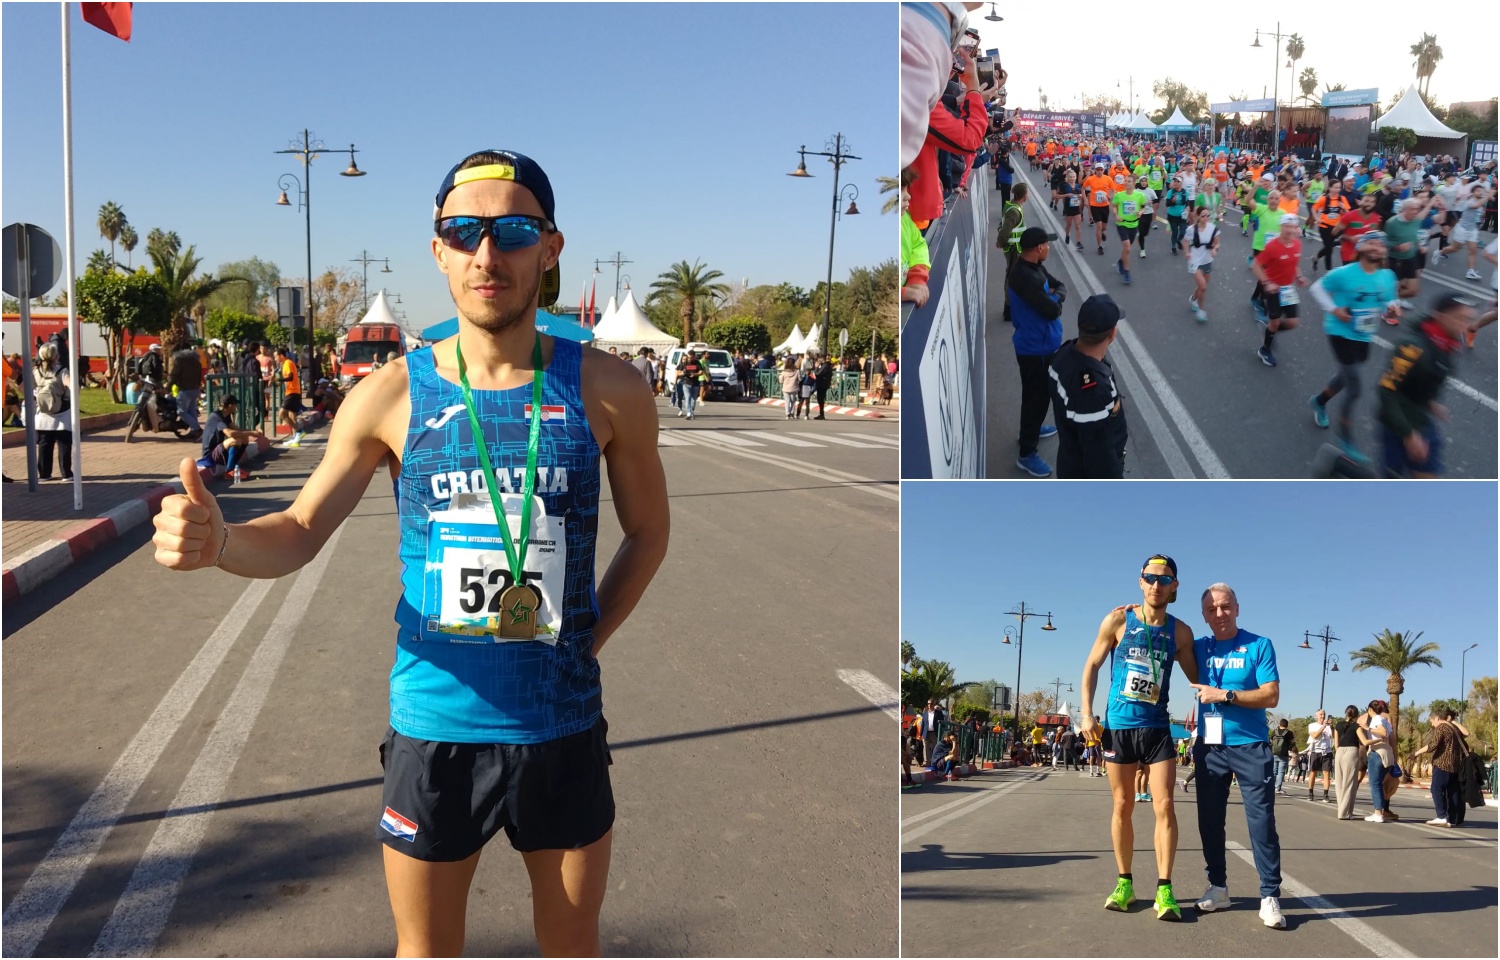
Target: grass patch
92,403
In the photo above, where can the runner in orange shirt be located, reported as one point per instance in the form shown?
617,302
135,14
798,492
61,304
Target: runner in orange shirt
1099,188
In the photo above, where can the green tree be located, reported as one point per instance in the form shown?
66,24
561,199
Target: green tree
745,334
233,326
1480,717
99,262
693,286
908,652
162,244
1426,55
892,186
1194,103
1396,654
252,296
1034,704
1474,126
122,304
1308,81
1295,48
1398,139
794,295
176,270
1333,88
111,222
128,240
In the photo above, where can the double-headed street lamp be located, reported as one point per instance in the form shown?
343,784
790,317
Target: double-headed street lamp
364,260
1275,92
1328,658
1023,614
308,151
837,158
1056,686
618,261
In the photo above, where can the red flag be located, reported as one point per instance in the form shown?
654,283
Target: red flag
112,18
591,304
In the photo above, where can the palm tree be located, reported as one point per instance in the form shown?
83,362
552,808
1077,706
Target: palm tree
1332,88
162,245
1308,81
892,186
1395,653
111,222
128,240
691,285
185,292
908,652
99,262
1427,55
1294,49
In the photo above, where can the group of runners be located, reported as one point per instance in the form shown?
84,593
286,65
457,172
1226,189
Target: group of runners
1380,225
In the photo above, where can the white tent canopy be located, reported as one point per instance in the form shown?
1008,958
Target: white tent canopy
814,339
792,343
1139,122
1410,112
609,311
1177,121
628,328
380,311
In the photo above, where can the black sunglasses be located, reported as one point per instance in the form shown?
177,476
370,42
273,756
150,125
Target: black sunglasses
1165,579
513,232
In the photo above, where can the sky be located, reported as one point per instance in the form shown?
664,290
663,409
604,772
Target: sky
1301,556
667,130
1208,47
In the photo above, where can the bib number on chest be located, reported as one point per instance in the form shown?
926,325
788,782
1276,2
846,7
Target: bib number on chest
1365,321
1138,686
1128,208
467,571
1288,296
1100,198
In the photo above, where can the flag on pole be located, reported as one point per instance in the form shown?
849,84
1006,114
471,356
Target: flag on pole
591,304
112,18
583,296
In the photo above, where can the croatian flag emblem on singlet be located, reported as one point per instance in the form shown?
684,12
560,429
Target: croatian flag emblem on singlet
397,825
551,414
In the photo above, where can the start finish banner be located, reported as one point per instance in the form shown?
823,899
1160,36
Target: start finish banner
942,349
1351,98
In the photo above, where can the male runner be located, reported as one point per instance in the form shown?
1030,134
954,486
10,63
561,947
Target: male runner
1404,232
1361,219
291,404
1420,363
1353,298
1098,188
1320,746
1278,268
1130,205
1141,643
495,695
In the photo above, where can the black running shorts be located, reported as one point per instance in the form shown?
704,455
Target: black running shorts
1100,214
1139,745
292,403
1275,310
444,801
1406,269
1126,233
1347,351
1321,761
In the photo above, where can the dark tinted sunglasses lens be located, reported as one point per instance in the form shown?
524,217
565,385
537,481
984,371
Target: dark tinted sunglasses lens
461,233
514,233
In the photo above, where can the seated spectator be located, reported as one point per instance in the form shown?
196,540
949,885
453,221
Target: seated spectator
945,759
224,446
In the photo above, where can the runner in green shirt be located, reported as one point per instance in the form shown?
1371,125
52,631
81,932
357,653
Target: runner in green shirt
1211,200
1129,205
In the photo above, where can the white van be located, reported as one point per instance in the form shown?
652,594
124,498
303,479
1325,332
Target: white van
723,384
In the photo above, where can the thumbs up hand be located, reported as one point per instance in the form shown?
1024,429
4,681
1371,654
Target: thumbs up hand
190,527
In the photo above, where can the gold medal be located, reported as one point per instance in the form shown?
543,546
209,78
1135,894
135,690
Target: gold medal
518,610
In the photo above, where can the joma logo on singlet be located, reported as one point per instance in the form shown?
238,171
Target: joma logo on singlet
548,480
1233,663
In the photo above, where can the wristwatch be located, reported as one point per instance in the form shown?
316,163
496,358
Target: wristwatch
1229,696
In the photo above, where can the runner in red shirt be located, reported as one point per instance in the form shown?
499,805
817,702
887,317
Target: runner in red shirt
1278,268
1361,219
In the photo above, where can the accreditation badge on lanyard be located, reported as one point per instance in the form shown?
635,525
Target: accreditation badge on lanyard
1213,721
468,573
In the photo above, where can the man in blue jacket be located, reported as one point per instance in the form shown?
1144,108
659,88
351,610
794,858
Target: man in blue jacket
1035,299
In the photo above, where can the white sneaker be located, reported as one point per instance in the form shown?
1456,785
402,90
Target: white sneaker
1270,913
1472,275
1214,898
1376,817
1437,822
681,413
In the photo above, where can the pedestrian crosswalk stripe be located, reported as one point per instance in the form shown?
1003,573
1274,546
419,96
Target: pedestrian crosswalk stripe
778,438
665,439
734,441
888,441
829,438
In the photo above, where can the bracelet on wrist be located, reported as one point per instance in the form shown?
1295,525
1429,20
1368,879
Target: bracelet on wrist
223,546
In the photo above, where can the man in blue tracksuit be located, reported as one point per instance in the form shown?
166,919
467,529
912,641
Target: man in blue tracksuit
1035,298
1239,684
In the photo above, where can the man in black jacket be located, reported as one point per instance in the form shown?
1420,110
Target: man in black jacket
822,380
1086,405
1035,299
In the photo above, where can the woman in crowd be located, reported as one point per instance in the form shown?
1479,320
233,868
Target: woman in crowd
1346,762
1375,734
789,378
53,430
1447,749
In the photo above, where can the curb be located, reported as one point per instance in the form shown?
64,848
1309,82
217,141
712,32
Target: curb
925,775
851,411
17,438
46,560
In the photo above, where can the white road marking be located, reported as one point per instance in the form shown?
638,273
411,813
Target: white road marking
1365,935
966,807
888,491
667,439
875,690
831,438
1469,287
734,441
141,913
890,441
778,438
47,889
1453,382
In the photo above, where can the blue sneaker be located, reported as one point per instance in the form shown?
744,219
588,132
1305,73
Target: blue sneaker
1120,267
1266,356
1127,278
1048,430
1350,451
1320,412
1035,465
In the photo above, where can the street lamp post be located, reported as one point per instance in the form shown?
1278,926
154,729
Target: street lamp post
1056,686
1461,667
308,152
1275,92
1022,614
618,261
364,260
1327,638
837,158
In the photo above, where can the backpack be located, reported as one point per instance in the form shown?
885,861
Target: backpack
51,395
1201,243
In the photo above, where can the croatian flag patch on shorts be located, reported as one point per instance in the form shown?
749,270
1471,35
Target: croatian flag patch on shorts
551,414
394,823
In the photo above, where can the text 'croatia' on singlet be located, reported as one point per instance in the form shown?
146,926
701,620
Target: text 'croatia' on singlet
452,679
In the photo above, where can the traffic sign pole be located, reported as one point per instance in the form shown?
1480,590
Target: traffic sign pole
28,366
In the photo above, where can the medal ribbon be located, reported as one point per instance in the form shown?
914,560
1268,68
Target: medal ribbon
515,554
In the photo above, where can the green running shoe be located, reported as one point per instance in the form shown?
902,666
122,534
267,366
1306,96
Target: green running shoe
1123,896
1166,904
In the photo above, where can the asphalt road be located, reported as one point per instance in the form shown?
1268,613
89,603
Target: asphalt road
1199,401
198,753
1029,852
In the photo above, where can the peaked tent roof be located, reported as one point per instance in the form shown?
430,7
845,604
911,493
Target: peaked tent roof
628,326
1139,122
1177,121
792,343
380,311
609,311
1412,113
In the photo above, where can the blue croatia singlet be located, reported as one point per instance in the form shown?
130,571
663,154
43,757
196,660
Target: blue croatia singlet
453,680
1137,692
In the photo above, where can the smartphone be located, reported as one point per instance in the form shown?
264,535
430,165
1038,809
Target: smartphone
986,68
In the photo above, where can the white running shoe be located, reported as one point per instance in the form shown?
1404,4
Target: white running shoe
1214,898
1472,275
1376,817
1270,913
1437,822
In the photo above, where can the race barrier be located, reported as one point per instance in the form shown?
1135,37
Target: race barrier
942,344
843,390
247,390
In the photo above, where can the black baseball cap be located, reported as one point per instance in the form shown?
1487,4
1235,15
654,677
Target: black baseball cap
517,168
1099,314
1033,237
1162,559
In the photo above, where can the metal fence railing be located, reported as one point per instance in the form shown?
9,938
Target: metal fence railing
259,402
844,390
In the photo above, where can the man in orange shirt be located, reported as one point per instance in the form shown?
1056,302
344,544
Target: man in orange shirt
291,407
1099,188
1120,174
